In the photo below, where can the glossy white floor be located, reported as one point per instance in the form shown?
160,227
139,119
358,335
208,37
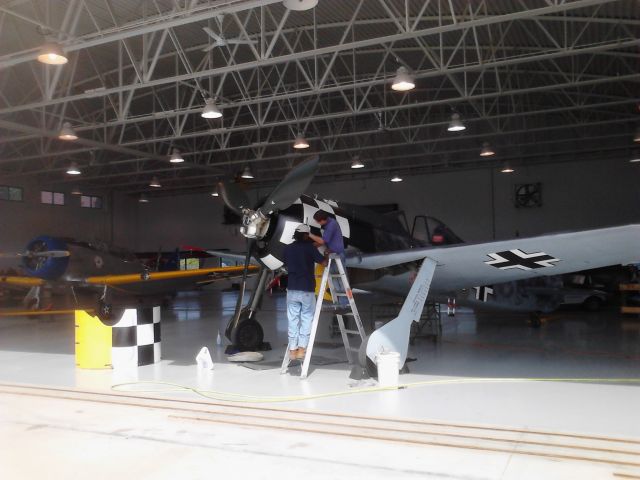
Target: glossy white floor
474,358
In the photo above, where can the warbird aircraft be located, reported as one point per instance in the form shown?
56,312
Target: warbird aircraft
110,272
383,256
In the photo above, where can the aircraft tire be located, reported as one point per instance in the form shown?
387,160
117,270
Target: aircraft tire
248,336
108,314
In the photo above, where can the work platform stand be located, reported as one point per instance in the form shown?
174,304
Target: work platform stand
341,310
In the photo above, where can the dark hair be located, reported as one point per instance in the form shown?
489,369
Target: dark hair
320,215
300,236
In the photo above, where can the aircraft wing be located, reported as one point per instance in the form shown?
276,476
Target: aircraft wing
469,265
214,273
238,257
21,281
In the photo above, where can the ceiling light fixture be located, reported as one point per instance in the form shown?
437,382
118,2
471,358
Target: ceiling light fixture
51,54
176,157
215,193
507,169
635,157
403,81
154,182
73,169
636,137
456,125
210,109
67,133
143,198
486,151
300,142
396,178
246,173
357,163
300,5
76,190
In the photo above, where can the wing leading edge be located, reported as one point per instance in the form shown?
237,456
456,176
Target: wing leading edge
464,266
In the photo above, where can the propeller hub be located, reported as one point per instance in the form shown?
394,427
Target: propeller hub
254,224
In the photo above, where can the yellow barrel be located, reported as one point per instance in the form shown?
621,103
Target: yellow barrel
93,341
319,271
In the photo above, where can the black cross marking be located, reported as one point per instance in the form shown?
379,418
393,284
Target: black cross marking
518,259
482,293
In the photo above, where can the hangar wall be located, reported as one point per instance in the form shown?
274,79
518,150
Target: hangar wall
22,221
576,195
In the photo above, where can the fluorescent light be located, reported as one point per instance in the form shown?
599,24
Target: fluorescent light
76,191
67,133
154,182
215,193
636,137
300,5
396,179
403,81
456,124
176,157
507,169
143,198
210,109
51,54
246,173
357,163
486,151
300,142
73,169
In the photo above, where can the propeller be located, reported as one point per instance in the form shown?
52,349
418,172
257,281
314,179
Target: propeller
234,197
32,254
255,222
221,41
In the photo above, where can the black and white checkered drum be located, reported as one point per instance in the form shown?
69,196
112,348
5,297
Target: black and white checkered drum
136,338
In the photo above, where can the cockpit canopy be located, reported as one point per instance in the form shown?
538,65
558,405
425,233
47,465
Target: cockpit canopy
432,231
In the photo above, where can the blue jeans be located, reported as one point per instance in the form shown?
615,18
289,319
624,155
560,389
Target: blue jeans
300,309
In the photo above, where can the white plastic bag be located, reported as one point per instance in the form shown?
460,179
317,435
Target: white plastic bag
203,359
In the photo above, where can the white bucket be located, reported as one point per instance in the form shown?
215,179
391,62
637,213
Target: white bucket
388,364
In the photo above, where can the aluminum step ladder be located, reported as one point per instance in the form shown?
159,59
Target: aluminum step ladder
348,310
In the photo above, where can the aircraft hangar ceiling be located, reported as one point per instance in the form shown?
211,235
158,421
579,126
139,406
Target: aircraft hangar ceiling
536,80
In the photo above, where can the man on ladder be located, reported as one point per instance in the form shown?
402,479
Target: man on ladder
333,241
299,258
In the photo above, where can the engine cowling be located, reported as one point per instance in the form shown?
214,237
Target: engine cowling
47,268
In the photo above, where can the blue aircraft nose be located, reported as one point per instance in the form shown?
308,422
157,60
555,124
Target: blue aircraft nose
47,268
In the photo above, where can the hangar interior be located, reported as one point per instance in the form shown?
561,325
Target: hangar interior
122,121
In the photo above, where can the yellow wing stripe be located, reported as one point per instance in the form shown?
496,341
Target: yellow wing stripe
22,281
151,276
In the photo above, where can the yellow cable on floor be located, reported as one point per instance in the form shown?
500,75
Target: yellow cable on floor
240,397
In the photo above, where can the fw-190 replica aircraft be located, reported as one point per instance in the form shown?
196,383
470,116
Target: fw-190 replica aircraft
116,275
383,256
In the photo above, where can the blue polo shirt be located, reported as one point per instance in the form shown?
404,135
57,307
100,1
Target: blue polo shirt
299,258
332,236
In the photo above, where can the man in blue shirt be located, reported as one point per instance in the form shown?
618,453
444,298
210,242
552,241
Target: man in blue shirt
299,258
332,239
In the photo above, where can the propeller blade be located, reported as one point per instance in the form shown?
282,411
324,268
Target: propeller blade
30,254
234,197
212,34
291,187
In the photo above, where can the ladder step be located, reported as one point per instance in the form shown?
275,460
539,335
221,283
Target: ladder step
341,294
352,332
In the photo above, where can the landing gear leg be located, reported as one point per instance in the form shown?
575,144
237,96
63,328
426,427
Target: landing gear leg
243,330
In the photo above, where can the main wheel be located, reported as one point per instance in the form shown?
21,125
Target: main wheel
108,314
248,335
